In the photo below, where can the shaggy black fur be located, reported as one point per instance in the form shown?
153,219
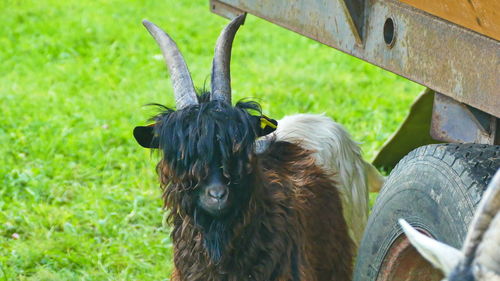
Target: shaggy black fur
191,141
190,138
282,220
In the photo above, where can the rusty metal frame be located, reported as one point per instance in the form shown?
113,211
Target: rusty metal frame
459,123
447,58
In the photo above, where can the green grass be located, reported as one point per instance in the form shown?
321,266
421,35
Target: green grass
78,191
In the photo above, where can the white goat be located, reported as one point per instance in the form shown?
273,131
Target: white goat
337,153
479,259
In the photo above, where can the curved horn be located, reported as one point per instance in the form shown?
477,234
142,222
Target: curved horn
221,76
182,83
483,238
440,255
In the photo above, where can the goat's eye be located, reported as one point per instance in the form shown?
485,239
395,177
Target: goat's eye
190,184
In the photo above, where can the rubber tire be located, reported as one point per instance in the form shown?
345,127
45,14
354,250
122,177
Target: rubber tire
434,187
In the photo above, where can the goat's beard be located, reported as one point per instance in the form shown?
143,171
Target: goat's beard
216,232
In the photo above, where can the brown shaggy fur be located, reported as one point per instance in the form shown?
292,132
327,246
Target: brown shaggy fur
292,228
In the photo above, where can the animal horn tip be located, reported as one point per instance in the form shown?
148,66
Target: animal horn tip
148,24
241,18
410,232
405,225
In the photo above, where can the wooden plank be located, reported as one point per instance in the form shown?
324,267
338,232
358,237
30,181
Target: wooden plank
482,16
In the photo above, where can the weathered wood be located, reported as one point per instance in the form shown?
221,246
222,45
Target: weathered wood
482,16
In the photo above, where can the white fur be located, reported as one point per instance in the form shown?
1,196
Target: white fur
339,155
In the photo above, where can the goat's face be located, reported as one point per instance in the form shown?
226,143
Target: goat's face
208,151
213,193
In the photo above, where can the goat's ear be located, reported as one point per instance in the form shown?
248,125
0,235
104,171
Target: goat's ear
145,136
265,125
440,255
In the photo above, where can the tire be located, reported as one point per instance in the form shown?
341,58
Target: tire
436,189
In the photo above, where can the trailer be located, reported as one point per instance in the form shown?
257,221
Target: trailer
446,151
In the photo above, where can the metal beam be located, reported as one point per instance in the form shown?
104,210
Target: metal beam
397,37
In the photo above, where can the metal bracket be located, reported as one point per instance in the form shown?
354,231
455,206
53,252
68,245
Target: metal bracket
453,121
355,14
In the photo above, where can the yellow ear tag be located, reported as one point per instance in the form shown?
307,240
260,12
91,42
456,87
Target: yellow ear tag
264,122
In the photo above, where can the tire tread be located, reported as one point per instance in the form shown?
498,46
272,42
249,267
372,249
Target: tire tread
476,162
469,167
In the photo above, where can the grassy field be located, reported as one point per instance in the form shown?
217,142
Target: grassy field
79,198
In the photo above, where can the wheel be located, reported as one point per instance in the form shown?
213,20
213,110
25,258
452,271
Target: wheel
436,189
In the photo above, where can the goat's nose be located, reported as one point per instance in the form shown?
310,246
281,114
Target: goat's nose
217,192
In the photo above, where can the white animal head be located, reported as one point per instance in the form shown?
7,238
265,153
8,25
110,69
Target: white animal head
479,259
